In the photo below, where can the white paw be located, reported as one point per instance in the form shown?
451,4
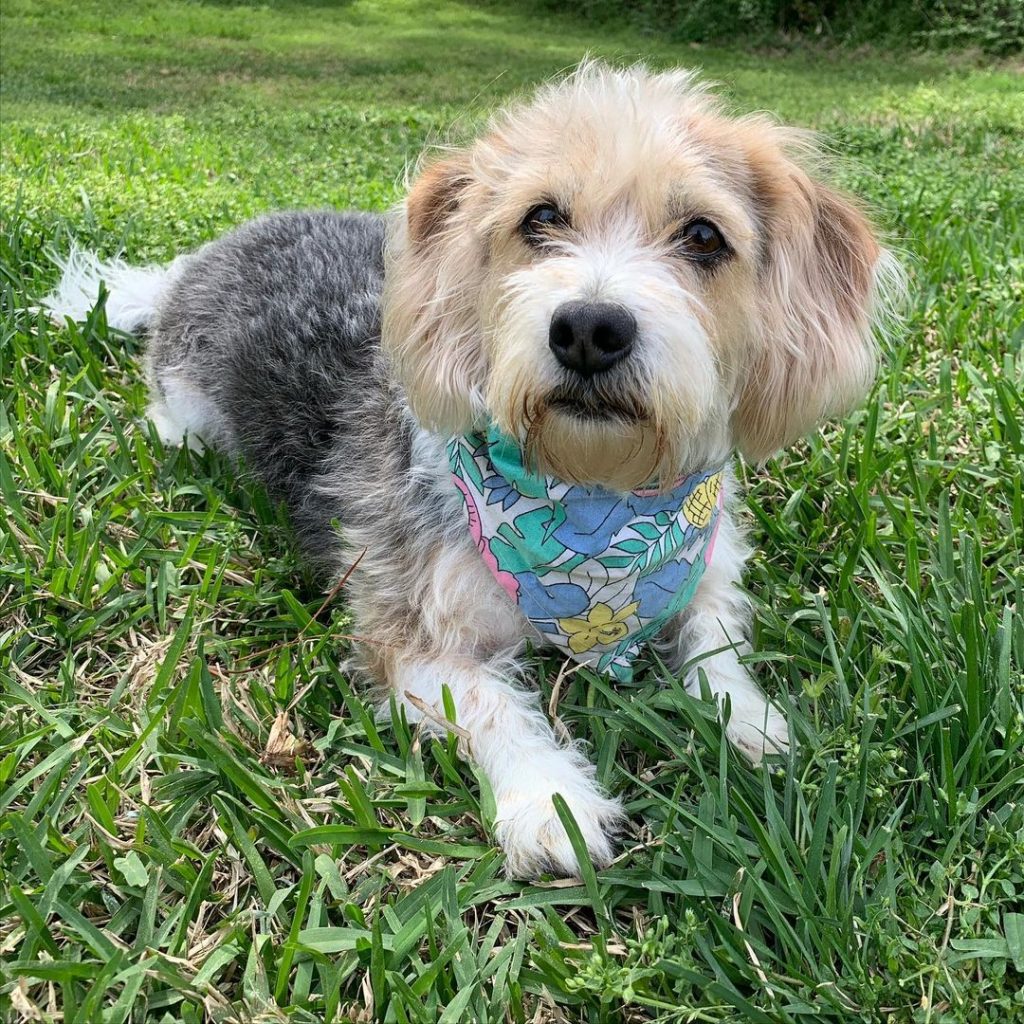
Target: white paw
534,839
757,728
169,430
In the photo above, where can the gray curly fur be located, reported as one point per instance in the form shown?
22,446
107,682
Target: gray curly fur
277,325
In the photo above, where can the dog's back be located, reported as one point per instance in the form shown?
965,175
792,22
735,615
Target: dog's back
270,321
264,343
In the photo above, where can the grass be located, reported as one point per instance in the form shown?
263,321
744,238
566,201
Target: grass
201,819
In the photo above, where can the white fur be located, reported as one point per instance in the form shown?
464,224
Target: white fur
133,293
513,742
183,414
710,636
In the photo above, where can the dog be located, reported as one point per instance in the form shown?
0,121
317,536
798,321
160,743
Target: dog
519,395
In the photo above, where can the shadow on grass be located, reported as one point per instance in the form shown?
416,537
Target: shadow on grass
175,57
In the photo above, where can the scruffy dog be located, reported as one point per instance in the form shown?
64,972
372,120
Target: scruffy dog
519,396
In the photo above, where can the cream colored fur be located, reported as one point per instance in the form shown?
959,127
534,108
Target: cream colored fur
748,357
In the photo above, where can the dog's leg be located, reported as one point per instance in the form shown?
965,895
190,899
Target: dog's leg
436,618
507,734
181,416
710,634
182,411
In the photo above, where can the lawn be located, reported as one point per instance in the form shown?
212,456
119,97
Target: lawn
201,819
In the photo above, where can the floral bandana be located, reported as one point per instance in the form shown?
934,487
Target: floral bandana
596,572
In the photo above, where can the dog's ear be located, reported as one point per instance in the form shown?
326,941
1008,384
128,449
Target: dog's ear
430,327
434,197
819,274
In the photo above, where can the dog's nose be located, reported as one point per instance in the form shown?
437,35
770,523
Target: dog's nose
590,337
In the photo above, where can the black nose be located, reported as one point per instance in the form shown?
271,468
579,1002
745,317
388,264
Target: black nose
590,337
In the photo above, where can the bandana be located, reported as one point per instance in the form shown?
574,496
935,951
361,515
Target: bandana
596,572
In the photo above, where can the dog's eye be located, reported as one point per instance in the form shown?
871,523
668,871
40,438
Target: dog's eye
700,240
540,220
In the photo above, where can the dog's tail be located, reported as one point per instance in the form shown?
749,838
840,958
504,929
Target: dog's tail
133,293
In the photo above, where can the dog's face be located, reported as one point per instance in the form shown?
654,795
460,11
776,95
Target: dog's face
630,282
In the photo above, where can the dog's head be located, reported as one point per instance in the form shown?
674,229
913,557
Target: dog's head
631,282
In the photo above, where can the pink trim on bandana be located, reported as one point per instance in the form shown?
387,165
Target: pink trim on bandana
506,580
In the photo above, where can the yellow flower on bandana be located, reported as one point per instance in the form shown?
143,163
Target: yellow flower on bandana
601,626
701,503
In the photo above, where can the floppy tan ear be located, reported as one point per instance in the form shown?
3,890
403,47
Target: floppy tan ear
430,328
818,281
434,197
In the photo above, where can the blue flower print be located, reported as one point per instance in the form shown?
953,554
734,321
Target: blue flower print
656,591
557,601
590,522
651,504
501,490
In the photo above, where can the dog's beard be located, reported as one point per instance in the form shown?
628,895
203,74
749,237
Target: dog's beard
594,405
595,436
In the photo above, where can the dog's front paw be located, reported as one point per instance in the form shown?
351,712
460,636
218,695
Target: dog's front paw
757,728
534,839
